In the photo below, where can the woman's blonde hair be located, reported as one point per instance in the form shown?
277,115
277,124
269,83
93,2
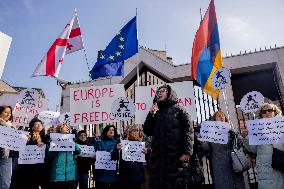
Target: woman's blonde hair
130,129
273,106
60,127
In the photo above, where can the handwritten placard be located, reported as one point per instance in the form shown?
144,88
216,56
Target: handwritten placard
92,105
103,161
132,151
87,151
144,96
32,154
266,130
13,139
214,131
49,117
62,142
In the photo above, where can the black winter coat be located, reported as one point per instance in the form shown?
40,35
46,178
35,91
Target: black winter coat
129,171
84,163
172,136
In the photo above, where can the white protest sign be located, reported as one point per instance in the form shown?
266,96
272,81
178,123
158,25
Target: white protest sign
32,154
5,42
65,118
266,131
62,142
49,117
87,151
13,139
132,151
28,98
214,131
27,107
220,78
103,161
123,108
251,101
144,96
92,105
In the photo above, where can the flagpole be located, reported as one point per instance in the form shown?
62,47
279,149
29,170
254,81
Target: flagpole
85,53
137,66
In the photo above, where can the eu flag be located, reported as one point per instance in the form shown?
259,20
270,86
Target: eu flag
206,54
122,46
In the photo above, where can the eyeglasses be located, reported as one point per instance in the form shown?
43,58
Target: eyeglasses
162,91
268,110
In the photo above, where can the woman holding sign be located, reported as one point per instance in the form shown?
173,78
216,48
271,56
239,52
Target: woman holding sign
32,175
267,176
172,139
106,179
220,158
63,164
131,173
5,159
83,163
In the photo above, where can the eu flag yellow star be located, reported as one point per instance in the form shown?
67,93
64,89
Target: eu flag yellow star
111,57
121,46
118,53
118,33
102,57
121,39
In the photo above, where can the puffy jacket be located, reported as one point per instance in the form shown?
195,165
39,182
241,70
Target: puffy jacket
63,165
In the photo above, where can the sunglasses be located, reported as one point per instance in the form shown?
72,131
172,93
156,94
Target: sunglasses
268,110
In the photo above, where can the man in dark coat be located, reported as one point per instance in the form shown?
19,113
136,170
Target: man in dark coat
172,139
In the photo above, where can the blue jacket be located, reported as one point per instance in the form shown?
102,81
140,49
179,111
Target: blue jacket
106,176
63,165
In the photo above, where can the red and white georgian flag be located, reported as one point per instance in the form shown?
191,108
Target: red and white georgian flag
75,41
51,63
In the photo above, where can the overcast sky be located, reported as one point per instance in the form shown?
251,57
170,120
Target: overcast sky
162,25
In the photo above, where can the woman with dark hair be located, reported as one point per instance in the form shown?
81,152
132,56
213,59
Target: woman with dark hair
220,159
105,179
6,118
32,175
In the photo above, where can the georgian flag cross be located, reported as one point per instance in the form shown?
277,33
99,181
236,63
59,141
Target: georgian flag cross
75,41
51,63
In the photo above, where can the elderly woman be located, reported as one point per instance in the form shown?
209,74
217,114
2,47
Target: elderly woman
63,164
131,173
266,175
220,157
5,159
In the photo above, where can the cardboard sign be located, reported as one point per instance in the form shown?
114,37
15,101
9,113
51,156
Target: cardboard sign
49,117
123,108
62,142
266,131
103,161
144,96
251,102
32,154
221,78
214,131
87,151
92,105
13,139
132,151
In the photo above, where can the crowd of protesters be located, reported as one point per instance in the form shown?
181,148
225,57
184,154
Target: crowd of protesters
174,154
